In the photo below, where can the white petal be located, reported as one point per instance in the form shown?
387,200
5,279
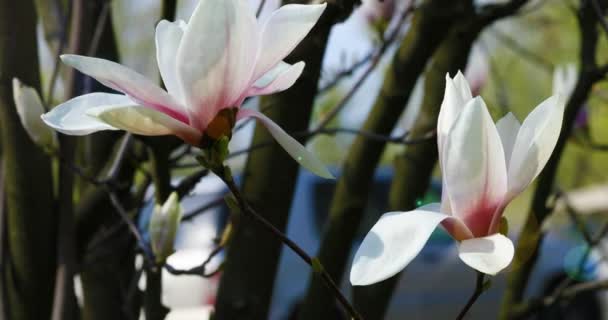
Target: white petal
145,121
392,243
280,78
457,94
70,117
293,147
168,38
508,127
29,108
474,167
564,80
535,142
216,57
283,31
127,81
462,85
488,254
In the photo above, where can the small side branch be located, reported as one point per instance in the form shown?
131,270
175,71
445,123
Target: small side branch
225,175
479,289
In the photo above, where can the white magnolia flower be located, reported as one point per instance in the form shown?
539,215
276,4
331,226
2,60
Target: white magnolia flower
209,66
29,108
484,167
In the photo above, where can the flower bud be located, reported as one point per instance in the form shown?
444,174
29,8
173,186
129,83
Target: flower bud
163,227
29,109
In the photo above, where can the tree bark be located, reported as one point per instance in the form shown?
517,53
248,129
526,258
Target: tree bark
269,179
105,275
428,29
28,273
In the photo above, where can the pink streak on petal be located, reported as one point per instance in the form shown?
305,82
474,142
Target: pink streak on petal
457,229
495,225
479,219
177,115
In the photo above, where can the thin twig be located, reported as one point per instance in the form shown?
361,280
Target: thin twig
200,270
600,15
57,65
332,131
132,227
479,289
99,28
523,311
347,72
204,208
186,150
522,51
400,139
260,8
188,183
565,288
375,60
315,263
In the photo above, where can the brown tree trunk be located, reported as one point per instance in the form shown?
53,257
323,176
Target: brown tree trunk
29,268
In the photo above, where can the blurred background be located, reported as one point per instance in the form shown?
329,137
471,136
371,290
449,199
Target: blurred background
511,65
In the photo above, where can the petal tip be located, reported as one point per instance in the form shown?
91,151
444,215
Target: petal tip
489,255
16,83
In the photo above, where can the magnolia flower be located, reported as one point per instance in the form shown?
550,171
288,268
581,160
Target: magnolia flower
484,167
29,108
209,66
163,227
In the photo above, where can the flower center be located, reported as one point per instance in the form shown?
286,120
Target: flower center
220,126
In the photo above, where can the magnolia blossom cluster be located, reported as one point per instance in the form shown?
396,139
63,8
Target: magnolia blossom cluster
484,166
208,66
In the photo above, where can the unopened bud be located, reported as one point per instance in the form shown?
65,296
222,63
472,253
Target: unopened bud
29,108
163,227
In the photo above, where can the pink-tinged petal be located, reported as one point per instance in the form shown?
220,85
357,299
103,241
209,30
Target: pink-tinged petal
216,57
392,243
29,108
474,167
71,116
489,254
446,207
454,226
508,127
280,78
168,37
145,121
535,142
283,31
127,81
293,147
457,94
